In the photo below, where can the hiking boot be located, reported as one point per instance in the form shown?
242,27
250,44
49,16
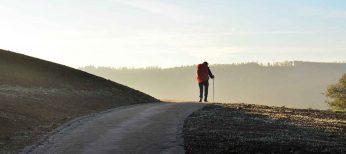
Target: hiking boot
205,100
200,100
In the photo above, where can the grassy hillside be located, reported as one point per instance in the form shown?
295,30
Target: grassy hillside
293,84
36,96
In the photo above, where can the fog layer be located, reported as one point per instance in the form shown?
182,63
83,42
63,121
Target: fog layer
292,84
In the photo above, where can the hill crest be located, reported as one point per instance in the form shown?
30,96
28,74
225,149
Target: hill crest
37,96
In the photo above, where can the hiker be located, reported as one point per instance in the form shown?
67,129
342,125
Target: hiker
203,74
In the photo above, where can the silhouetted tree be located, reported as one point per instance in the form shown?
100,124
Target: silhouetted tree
337,94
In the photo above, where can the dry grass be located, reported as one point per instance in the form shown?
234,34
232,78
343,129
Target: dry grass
242,128
37,96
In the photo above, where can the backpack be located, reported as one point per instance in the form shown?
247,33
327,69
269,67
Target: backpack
202,73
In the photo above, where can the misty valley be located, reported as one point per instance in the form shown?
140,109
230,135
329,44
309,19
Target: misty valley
292,84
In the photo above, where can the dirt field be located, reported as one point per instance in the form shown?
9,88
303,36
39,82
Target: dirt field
242,128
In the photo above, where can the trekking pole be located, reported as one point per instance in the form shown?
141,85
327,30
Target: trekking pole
213,90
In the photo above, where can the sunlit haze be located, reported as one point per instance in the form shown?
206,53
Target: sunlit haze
167,33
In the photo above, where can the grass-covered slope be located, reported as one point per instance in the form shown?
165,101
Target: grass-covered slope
36,96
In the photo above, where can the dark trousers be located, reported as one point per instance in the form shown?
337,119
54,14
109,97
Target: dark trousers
204,85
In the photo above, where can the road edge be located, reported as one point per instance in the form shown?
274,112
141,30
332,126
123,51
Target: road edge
72,123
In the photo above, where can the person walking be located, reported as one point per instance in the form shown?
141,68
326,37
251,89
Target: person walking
203,74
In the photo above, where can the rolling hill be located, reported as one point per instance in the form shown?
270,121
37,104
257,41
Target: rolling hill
36,96
293,84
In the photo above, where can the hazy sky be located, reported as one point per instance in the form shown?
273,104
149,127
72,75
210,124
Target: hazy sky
140,33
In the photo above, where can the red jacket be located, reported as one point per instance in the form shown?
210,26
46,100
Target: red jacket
202,73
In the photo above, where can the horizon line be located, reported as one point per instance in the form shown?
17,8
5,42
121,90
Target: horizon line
265,64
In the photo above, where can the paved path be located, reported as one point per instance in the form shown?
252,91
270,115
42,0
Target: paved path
147,128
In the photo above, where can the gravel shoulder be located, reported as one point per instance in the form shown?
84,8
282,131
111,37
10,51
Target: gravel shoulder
146,128
244,128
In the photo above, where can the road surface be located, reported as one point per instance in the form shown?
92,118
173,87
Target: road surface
146,128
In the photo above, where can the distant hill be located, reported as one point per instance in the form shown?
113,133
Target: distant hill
292,84
36,96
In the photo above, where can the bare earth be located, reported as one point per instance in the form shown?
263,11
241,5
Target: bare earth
247,128
146,128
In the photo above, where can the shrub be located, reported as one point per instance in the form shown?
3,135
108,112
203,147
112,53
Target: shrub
337,94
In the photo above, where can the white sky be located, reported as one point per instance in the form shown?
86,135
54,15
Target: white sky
167,33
